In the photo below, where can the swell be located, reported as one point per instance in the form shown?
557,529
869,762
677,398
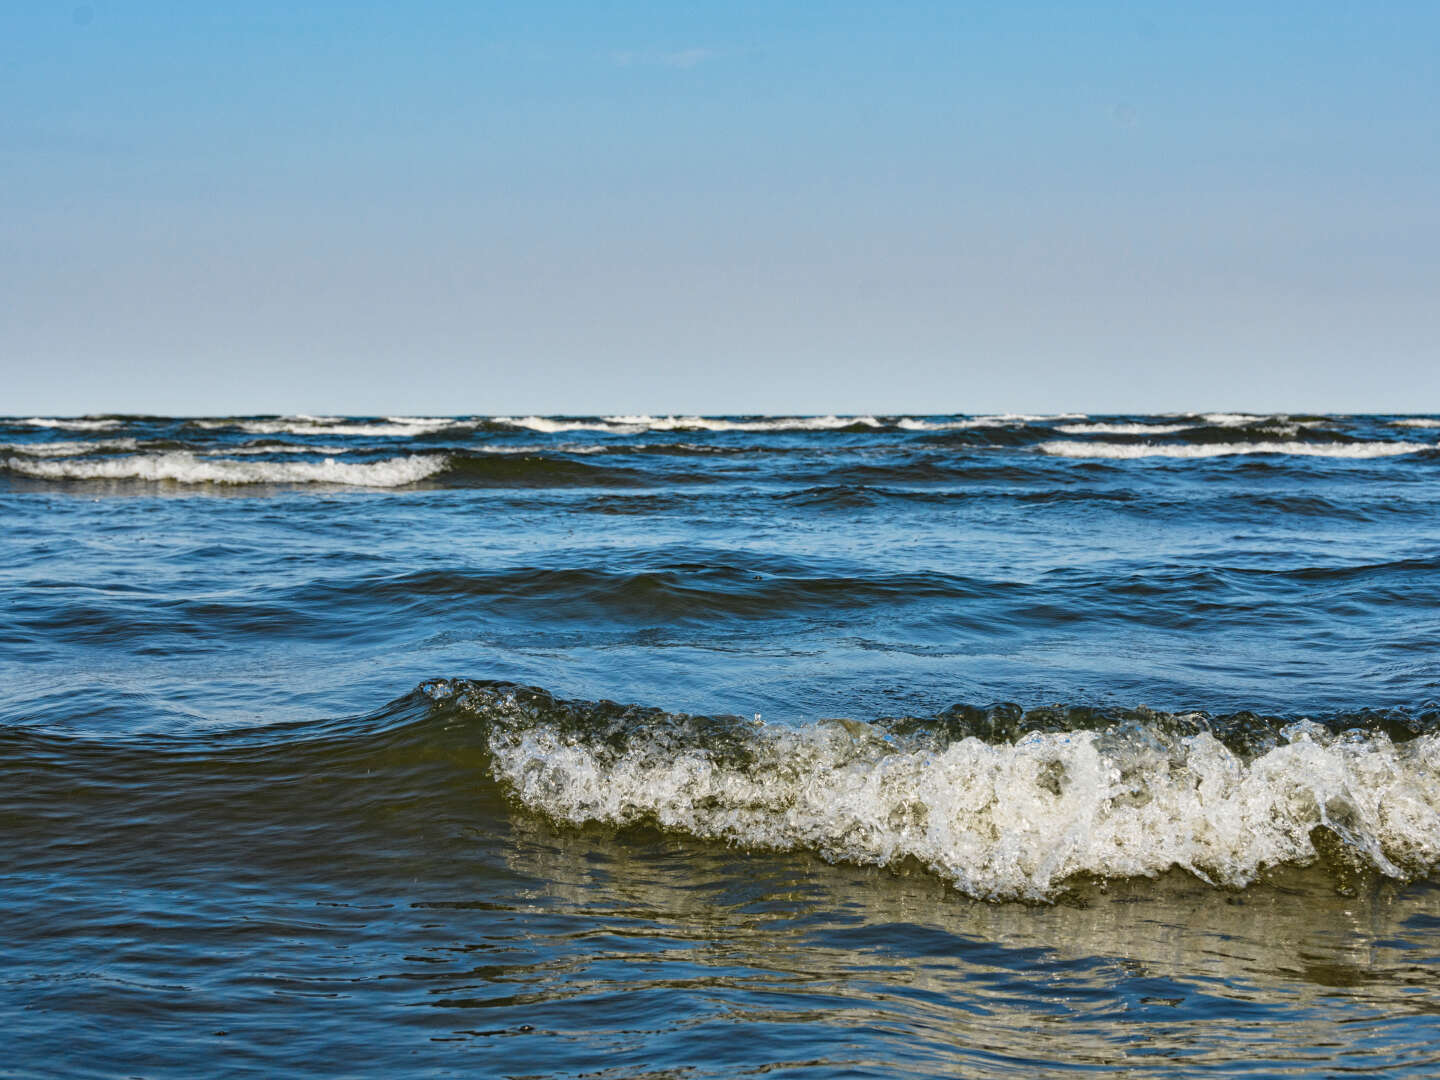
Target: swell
1001,802
715,590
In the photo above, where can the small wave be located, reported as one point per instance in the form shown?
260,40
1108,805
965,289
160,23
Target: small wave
332,425
69,449
999,819
1417,422
1122,429
182,467
70,423
1122,451
1223,419
547,426
782,423
913,423
276,448
634,425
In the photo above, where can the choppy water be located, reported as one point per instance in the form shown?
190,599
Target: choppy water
711,747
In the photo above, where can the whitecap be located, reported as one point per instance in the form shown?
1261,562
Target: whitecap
183,467
69,424
998,821
69,448
1125,451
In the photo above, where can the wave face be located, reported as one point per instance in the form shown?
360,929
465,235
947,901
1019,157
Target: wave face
1127,794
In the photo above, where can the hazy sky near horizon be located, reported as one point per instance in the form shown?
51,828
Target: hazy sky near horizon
651,205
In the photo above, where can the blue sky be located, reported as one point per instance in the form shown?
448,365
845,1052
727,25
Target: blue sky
739,207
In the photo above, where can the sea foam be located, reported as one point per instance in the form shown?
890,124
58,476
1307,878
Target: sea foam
183,467
1186,450
1010,820
69,448
68,423
1007,820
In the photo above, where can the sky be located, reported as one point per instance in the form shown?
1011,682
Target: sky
740,207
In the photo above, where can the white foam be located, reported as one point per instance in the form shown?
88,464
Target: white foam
634,425
183,467
998,821
1123,429
333,425
1417,422
1221,419
547,426
69,449
1186,450
911,423
69,424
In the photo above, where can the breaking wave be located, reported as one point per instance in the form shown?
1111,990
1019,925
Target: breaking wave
1184,450
69,448
183,467
1001,803
633,425
391,426
69,423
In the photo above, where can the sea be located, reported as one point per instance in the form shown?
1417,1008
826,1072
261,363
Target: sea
706,747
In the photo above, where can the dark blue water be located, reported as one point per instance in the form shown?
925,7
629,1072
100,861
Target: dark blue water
635,746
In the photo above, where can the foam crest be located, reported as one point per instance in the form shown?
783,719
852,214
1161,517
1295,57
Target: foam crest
1125,451
782,423
334,425
1223,419
634,425
69,448
913,423
1122,429
69,423
183,467
1416,422
999,821
547,426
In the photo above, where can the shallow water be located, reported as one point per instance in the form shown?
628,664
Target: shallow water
277,799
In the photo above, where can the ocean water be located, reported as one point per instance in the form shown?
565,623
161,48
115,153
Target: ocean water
712,747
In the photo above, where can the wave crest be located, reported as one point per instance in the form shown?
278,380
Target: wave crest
1123,451
998,819
183,467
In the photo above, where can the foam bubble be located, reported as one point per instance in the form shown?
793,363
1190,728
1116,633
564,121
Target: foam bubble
1124,451
183,467
999,821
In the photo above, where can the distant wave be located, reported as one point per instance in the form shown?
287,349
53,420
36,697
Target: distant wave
395,426
69,449
632,425
69,424
1417,422
1182,450
182,467
1122,429
1001,803
913,423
